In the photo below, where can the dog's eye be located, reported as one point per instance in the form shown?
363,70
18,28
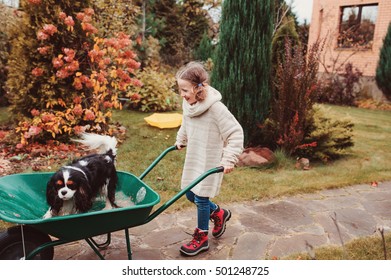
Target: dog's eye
59,182
69,182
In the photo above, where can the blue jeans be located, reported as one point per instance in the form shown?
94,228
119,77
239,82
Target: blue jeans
204,208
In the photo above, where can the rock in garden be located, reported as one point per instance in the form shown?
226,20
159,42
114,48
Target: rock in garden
256,156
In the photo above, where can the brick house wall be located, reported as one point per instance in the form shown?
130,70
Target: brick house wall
325,24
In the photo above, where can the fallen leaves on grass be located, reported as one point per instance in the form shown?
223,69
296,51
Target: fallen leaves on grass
36,157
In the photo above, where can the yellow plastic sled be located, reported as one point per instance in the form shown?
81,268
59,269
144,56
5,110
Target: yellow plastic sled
161,120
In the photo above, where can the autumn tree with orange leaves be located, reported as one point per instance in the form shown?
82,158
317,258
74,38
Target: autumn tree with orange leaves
63,79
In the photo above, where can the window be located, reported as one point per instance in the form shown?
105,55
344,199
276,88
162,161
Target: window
357,26
11,3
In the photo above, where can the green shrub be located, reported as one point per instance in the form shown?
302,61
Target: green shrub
166,23
383,70
157,92
205,49
327,138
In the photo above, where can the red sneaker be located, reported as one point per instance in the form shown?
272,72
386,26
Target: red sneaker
197,245
219,217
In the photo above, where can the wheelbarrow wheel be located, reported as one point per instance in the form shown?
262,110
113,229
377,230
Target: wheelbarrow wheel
11,243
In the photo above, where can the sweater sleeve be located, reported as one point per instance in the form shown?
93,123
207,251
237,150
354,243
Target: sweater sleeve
231,133
181,138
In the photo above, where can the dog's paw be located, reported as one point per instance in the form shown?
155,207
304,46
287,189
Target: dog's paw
47,215
108,207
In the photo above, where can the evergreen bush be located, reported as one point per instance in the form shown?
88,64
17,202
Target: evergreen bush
383,70
178,25
242,65
204,50
326,138
170,30
196,23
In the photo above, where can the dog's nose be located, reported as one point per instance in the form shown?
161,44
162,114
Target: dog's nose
63,192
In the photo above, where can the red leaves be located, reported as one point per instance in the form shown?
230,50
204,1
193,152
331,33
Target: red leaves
294,136
37,71
34,2
89,74
89,115
3,134
47,31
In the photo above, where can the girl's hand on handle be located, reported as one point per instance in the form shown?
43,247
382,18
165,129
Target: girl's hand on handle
228,169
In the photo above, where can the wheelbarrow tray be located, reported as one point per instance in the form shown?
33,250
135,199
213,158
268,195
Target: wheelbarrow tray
23,201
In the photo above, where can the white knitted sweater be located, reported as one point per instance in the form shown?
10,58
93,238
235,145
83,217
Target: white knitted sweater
213,138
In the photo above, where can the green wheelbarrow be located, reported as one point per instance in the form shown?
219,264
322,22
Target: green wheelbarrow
23,202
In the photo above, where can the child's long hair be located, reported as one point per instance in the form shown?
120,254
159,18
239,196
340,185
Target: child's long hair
195,73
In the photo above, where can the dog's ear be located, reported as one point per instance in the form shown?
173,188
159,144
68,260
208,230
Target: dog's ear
52,197
51,191
83,199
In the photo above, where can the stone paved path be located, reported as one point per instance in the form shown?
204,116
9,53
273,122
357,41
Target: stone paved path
258,230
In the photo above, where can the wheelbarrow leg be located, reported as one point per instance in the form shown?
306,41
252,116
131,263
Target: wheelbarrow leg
92,245
95,246
104,244
128,244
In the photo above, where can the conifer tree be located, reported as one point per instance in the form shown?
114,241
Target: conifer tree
171,31
243,62
63,79
286,31
196,23
205,49
383,70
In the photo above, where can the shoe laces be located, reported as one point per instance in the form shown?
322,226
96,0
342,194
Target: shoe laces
196,239
216,219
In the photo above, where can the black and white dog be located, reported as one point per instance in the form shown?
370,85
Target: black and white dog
74,187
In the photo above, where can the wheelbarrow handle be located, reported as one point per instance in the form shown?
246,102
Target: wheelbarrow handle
183,191
156,161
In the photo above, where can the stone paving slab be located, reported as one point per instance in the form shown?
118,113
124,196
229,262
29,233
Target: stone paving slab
257,229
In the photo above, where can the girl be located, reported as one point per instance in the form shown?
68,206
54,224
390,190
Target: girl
213,137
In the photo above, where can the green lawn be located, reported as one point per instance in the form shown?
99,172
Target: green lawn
364,248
